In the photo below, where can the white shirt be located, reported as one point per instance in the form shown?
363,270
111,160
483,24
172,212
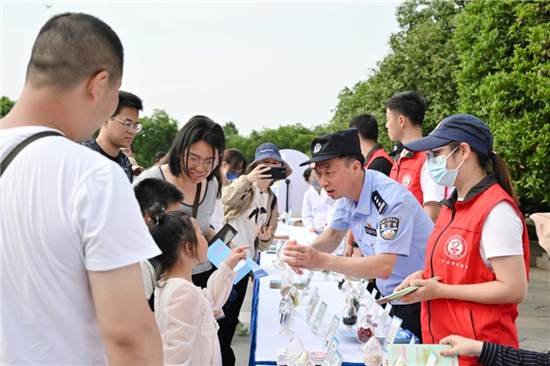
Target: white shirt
315,209
148,275
185,317
501,233
217,216
251,221
66,210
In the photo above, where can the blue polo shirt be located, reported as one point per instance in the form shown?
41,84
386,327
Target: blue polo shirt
387,219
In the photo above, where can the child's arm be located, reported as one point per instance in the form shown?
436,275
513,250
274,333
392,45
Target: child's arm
220,283
183,320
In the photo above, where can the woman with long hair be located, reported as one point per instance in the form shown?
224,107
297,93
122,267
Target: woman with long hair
192,164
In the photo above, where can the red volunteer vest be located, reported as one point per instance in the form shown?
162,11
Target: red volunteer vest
453,254
407,170
380,153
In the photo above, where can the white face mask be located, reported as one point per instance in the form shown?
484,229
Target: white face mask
438,169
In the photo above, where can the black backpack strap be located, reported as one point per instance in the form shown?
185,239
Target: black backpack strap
22,145
197,199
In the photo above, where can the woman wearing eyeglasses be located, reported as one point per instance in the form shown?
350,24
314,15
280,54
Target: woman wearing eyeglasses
192,166
479,246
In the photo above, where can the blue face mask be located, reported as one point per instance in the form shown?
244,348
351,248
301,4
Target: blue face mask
438,169
315,183
231,176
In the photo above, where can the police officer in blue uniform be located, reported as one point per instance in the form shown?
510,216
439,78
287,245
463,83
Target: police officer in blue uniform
389,225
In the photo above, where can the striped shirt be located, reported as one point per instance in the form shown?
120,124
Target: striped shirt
498,355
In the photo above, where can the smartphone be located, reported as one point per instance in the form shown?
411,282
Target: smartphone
277,172
226,234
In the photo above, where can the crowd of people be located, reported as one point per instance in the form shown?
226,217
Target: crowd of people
105,263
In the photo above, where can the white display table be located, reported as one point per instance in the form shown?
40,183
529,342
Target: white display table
265,328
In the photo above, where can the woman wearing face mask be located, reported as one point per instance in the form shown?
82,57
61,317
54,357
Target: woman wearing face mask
232,165
314,206
250,207
479,246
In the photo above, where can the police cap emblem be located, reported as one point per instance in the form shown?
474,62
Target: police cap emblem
317,148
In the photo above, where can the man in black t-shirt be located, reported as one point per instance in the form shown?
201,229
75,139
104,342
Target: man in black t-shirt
119,131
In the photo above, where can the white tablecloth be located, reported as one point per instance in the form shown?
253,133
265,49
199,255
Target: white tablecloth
268,339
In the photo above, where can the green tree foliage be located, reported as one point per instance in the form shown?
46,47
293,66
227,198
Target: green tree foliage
230,129
6,104
295,137
422,57
487,58
504,78
159,130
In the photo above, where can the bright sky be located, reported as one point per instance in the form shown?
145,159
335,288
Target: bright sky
257,64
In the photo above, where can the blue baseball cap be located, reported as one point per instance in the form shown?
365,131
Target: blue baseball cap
459,128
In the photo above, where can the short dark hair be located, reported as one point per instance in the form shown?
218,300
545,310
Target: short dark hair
152,190
234,159
70,48
411,104
307,174
349,159
198,128
366,125
159,155
171,232
128,100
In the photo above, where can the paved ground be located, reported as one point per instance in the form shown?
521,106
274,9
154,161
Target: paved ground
533,321
534,313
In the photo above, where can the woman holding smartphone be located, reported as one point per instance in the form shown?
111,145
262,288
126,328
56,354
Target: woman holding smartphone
251,207
479,246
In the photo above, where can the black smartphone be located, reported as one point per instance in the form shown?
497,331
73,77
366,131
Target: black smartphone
277,172
226,234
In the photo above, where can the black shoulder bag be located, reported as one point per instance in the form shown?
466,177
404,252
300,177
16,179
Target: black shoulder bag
22,145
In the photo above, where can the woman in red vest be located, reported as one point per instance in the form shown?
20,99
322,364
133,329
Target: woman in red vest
479,247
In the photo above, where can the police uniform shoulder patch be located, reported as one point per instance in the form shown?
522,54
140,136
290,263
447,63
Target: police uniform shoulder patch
378,201
389,227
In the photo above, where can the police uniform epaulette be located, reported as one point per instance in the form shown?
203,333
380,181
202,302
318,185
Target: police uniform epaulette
378,201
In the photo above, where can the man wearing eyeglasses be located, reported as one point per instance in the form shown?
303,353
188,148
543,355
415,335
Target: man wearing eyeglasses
119,131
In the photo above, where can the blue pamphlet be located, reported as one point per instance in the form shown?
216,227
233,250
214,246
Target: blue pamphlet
218,253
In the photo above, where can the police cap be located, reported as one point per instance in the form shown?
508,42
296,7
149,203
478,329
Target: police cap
335,144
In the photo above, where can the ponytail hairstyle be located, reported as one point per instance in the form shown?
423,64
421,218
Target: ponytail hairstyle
173,232
498,167
502,173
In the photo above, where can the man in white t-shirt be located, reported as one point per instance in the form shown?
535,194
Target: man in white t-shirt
72,234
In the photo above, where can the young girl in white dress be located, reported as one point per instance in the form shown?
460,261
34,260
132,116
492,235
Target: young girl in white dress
185,313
